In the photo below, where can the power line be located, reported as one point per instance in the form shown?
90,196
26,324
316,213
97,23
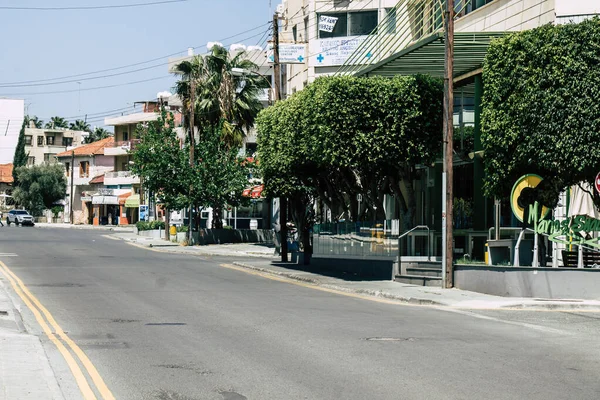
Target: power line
101,7
131,65
92,88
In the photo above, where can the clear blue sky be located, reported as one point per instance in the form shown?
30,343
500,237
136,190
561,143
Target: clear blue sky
40,45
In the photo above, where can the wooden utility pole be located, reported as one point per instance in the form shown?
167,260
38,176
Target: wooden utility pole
447,184
277,89
71,198
192,152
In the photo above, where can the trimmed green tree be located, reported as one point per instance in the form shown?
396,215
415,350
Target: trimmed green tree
57,123
20,157
541,108
161,162
40,187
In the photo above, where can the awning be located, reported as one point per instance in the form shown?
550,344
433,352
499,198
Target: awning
427,56
97,179
133,201
246,192
257,191
123,198
109,200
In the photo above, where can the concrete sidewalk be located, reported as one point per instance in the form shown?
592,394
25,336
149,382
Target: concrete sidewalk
25,371
113,228
261,258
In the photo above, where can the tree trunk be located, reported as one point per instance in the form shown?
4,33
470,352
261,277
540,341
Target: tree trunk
217,222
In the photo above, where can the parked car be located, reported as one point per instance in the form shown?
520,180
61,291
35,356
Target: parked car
19,217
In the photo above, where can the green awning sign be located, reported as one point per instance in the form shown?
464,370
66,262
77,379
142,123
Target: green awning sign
133,201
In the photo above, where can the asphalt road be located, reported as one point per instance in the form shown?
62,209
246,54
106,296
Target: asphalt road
163,326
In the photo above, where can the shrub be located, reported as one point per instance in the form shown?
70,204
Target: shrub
149,225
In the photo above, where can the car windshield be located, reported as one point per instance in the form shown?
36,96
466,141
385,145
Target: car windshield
21,212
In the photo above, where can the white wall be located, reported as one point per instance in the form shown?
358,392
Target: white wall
577,7
508,15
11,118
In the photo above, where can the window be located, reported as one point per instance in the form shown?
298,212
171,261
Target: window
362,23
30,160
40,140
67,141
125,166
351,24
48,157
339,30
305,38
125,134
68,168
28,139
84,169
295,33
390,15
50,140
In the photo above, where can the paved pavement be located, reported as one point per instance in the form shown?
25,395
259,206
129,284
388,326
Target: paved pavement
174,326
25,372
260,258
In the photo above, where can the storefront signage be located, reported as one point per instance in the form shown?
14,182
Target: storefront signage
327,24
570,229
289,53
335,51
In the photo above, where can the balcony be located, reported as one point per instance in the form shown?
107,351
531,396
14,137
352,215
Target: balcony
121,148
120,178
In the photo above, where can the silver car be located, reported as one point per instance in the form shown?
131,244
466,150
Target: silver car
19,217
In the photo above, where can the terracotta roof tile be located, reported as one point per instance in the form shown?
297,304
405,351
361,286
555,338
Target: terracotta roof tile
6,171
95,148
97,179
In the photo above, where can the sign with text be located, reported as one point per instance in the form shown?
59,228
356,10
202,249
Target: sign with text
327,24
289,53
332,52
597,183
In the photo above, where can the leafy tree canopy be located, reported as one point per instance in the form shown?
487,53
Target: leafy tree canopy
57,123
541,108
97,134
20,157
80,125
161,162
40,186
343,136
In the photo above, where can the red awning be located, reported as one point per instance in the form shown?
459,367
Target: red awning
246,192
257,191
97,179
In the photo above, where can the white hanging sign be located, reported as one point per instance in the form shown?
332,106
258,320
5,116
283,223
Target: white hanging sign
326,24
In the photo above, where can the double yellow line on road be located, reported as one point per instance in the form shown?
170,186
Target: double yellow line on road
57,336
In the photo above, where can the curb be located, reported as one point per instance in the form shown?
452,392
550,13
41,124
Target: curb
542,306
372,293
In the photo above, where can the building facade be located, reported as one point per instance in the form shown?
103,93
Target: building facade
11,119
42,145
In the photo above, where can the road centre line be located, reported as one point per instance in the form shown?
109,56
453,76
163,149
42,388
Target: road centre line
38,309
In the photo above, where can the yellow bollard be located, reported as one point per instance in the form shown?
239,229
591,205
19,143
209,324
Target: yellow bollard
485,255
173,230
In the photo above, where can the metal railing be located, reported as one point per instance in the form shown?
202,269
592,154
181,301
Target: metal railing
418,227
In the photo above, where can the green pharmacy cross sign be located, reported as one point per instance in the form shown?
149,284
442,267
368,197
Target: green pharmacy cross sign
568,231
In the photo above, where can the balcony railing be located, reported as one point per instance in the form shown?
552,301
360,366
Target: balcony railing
127,144
118,174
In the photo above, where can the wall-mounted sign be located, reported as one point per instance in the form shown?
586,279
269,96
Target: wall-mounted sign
570,230
335,51
597,183
289,53
327,24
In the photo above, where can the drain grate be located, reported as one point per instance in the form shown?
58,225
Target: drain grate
389,339
3,312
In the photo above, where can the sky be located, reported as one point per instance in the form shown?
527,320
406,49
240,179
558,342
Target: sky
42,45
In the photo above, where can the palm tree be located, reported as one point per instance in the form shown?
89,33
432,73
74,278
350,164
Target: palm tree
57,123
38,123
80,125
97,134
221,96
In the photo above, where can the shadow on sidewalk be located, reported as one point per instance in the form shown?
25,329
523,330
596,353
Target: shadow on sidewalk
331,273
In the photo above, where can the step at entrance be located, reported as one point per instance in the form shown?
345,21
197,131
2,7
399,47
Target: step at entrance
421,273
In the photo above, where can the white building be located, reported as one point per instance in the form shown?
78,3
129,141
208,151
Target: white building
12,112
43,144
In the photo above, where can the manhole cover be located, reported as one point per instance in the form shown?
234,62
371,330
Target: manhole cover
389,339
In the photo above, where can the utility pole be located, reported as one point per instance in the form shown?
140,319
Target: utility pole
277,88
192,152
71,197
447,180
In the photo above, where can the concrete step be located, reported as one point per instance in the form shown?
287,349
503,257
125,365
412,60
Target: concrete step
419,280
423,264
424,271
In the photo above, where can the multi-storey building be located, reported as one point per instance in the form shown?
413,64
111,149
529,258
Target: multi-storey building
11,119
43,145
